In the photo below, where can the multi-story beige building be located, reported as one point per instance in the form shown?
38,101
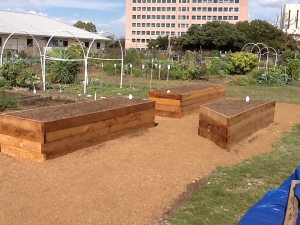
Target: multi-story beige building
148,19
290,20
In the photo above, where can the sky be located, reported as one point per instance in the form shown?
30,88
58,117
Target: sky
109,15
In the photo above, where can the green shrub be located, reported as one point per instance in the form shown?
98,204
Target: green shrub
7,103
287,55
63,71
214,53
241,62
274,76
16,74
293,68
216,67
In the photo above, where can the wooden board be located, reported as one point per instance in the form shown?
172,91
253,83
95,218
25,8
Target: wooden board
38,141
228,131
177,105
291,212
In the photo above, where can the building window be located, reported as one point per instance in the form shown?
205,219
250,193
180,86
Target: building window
224,17
148,24
65,43
214,17
133,32
173,17
219,17
138,40
215,9
225,9
204,9
138,32
153,8
133,8
148,17
133,1
143,40
237,1
132,40
193,17
143,8
198,17
162,33
148,32
158,25
152,32
230,9
236,18
143,17
152,24
208,17
29,42
138,17
209,9
0,41
133,24
148,40
220,9
143,25
167,25
203,17
157,32
173,9
158,9
148,8
143,32
236,9
133,17
138,25
230,17
86,44
215,1
172,24
231,1
163,25
158,17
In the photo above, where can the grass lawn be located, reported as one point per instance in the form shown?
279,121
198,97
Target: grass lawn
231,191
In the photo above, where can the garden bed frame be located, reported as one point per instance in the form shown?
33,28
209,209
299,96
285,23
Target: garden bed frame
227,130
185,100
38,140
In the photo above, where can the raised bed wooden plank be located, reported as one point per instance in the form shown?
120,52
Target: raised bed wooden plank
75,147
21,143
22,153
21,122
73,131
83,125
226,122
188,98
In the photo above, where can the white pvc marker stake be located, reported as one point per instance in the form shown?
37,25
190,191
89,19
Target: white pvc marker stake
168,91
247,99
95,96
130,96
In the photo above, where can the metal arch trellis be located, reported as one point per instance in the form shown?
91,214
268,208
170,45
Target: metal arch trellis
87,57
50,58
1,56
260,51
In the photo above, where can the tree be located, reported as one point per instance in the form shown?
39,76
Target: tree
218,35
159,43
260,31
88,26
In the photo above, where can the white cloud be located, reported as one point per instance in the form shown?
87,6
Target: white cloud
274,3
119,21
78,4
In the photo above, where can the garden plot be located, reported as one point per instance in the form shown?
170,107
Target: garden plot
228,121
49,132
184,100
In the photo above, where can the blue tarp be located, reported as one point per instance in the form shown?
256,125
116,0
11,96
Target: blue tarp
270,210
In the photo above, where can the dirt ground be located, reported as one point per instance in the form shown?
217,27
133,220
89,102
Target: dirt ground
130,180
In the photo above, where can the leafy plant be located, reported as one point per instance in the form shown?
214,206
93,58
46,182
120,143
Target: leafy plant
63,71
293,68
16,73
241,62
274,76
7,103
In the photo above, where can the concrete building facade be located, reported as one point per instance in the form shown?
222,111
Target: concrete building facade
290,20
148,19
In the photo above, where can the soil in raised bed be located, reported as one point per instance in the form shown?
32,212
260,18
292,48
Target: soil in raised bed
187,89
46,114
232,107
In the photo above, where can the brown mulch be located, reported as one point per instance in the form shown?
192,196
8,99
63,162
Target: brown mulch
137,179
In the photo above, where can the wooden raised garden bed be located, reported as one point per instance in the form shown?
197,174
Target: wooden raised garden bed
184,100
228,121
49,132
